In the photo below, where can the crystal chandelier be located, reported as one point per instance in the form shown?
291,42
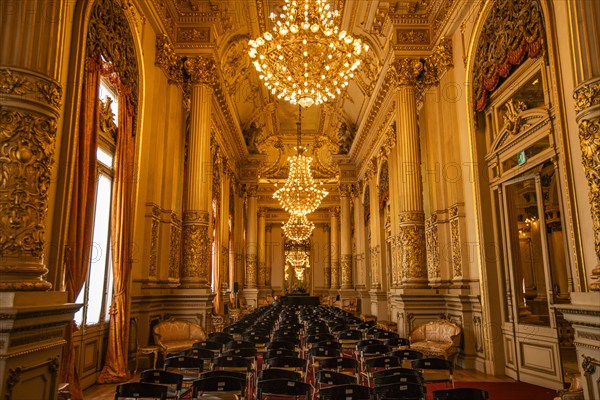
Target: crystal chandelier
300,194
307,59
298,228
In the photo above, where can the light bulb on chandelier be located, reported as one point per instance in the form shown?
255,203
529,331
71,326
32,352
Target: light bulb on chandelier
298,228
306,59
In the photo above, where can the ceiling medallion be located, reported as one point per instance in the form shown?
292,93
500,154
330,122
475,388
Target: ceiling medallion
306,59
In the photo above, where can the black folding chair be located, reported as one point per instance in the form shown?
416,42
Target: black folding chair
460,394
276,373
397,343
137,390
345,365
401,391
239,344
406,356
189,367
279,353
280,344
173,381
382,335
205,355
220,337
219,386
283,388
434,369
376,364
346,392
215,347
324,377
398,378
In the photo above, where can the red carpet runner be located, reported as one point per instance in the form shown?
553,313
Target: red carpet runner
502,390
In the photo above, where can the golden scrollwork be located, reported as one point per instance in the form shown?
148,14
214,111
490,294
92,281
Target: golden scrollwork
586,96
512,119
433,250
166,59
262,273
411,217
346,269
201,70
155,222
589,140
107,118
375,262
437,63
109,36
327,277
346,189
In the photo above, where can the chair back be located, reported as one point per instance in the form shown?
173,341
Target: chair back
286,362
339,364
220,337
160,376
283,388
280,344
385,335
232,363
218,384
276,373
398,378
346,392
239,344
397,342
229,374
333,378
401,391
279,353
215,347
141,390
367,342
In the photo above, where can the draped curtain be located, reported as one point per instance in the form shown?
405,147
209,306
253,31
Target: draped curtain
115,368
81,221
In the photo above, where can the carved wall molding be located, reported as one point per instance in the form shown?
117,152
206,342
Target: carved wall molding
175,248
407,217
433,250
154,232
455,242
335,274
22,84
414,258
14,374
587,96
251,270
375,262
346,269
513,32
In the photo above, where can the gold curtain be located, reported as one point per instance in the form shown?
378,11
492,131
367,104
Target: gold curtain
115,368
81,220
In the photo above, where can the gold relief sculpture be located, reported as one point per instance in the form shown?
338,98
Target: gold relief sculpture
346,268
26,149
456,254
201,35
201,70
346,189
335,274
107,118
589,139
512,119
251,270
166,59
412,36
437,63
262,274
512,33
109,36
411,217
433,251
175,248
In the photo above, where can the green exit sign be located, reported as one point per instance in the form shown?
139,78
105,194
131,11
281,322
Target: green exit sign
521,157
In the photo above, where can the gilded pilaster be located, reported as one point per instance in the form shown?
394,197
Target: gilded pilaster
31,104
412,243
262,224
334,250
345,237
199,174
251,243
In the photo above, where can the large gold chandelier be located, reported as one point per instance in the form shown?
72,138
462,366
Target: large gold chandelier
306,59
300,195
298,228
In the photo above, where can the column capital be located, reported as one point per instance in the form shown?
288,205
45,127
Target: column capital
346,189
166,59
262,212
200,70
334,212
586,96
437,63
407,71
252,190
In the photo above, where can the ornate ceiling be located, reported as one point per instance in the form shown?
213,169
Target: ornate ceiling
220,29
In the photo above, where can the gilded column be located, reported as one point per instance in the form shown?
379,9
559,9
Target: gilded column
411,218
262,225
225,225
251,243
345,236
31,103
584,29
334,249
199,174
327,268
269,255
